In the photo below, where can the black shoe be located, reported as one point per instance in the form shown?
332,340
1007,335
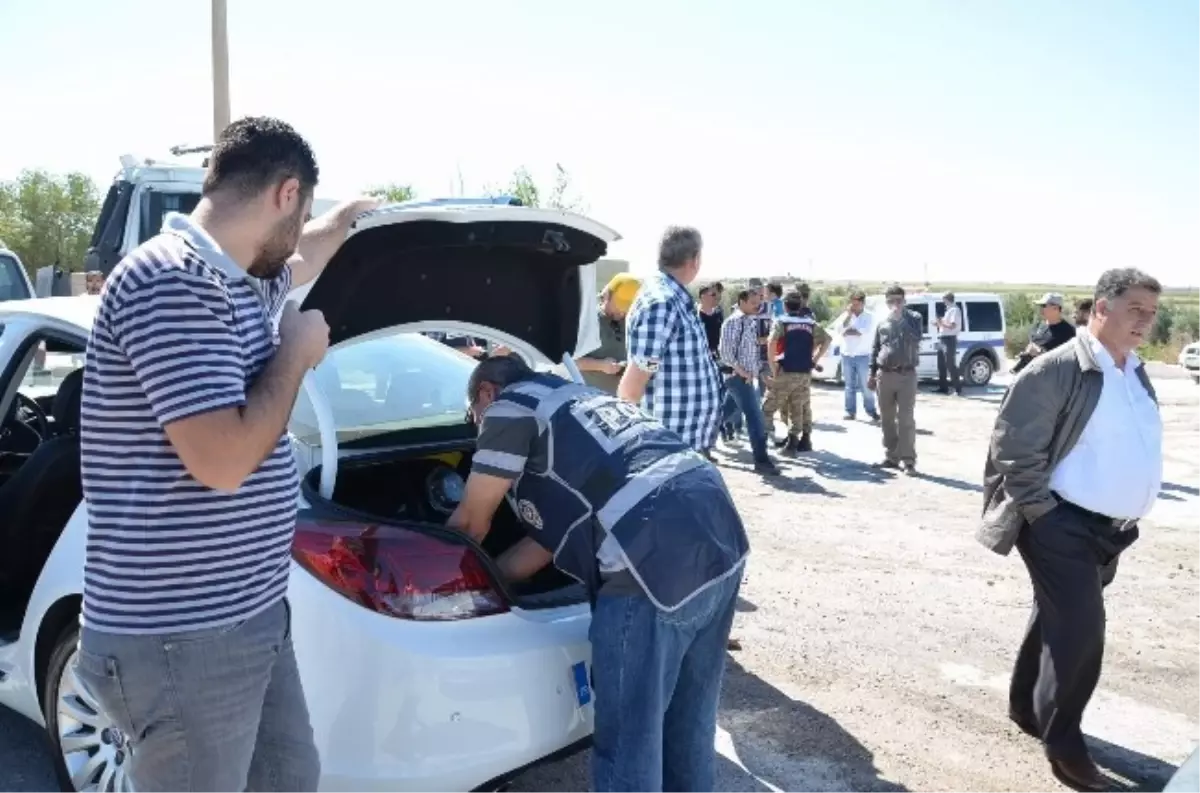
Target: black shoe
791,446
1026,723
874,416
781,443
805,444
766,468
708,455
886,464
943,390
909,468
848,417
1079,773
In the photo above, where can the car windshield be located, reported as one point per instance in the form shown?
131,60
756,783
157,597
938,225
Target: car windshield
387,383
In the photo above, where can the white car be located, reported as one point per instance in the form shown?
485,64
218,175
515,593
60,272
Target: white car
423,669
980,342
1189,359
14,281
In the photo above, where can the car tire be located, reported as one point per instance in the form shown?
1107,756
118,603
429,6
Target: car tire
979,369
105,775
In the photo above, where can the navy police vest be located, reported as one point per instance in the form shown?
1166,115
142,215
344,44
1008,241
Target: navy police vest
604,473
797,344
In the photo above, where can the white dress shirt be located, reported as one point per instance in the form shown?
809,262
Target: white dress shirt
952,317
854,346
1116,467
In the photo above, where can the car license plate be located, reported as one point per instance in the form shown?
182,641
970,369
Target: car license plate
583,686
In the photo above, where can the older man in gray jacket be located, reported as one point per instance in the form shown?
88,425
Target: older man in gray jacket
1075,462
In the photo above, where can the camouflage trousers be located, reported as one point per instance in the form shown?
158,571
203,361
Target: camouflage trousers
790,394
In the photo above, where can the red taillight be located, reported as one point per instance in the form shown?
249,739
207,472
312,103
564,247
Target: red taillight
397,572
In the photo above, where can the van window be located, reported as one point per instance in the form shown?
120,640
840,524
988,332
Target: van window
12,280
922,308
985,316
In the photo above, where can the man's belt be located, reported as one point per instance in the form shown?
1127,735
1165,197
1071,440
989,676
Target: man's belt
1106,520
898,369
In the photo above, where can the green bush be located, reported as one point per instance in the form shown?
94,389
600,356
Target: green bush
1016,338
1019,309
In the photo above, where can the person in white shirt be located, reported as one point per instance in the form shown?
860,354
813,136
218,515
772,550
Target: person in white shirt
857,334
949,325
1075,463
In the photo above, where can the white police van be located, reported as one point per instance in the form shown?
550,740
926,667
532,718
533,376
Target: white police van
980,342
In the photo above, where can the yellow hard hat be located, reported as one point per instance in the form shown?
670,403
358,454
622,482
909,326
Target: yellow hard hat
624,288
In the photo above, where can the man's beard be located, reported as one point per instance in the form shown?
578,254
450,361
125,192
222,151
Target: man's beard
273,255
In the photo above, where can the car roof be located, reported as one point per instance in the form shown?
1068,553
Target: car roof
78,311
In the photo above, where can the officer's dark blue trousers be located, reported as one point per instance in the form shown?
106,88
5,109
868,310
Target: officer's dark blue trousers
657,678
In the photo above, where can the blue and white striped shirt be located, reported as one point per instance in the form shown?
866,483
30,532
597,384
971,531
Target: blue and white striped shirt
182,330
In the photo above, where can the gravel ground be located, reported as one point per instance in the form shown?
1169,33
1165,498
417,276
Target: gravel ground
878,636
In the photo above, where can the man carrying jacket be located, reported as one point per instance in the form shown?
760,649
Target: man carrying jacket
1075,462
800,341
619,502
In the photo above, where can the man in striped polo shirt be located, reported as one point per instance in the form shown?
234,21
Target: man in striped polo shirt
189,477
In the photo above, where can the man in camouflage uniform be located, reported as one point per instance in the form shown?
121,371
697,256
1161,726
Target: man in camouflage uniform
797,342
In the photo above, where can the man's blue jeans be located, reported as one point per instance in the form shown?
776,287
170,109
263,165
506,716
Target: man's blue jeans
657,678
855,372
746,399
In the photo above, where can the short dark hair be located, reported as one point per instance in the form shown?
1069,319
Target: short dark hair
255,153
499,370
745,295
895,290
680,245
775,289
803,289
858,294
1085,304
717,285
704,290
794,301
1118,281
948,296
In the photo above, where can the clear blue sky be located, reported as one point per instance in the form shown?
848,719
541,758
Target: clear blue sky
1014,140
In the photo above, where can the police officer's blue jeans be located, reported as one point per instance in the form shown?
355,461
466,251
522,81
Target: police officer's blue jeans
747,399
657,678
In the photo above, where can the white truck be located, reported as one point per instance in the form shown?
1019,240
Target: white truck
142,193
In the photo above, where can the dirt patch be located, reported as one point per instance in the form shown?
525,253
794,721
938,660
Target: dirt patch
878,635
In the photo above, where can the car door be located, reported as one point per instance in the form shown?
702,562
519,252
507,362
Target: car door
927,367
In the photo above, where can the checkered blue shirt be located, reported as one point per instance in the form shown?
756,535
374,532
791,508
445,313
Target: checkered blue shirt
664,336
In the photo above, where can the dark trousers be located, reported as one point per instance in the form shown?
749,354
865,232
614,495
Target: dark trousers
948,361
1071,556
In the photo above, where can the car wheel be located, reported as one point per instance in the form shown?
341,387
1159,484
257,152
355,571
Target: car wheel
90,753
979,370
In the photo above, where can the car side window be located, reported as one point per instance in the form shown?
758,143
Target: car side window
12,281
985,316
922,308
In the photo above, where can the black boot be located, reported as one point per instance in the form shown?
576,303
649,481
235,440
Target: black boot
805,444
790,445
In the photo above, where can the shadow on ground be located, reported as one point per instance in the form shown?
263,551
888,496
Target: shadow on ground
1141,771
786,743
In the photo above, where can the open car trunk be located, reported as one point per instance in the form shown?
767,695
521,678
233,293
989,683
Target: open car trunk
422,490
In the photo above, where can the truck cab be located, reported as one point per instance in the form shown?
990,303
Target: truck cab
141,195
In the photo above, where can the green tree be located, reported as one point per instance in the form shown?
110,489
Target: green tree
393,192
523,187
48,218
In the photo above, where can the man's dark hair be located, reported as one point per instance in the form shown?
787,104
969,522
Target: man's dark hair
775,289
948,296
255,153
804,290
680,245
1085,305
720,287
895,290
704,290
1117,282
499,370
794,301
858,294
744,295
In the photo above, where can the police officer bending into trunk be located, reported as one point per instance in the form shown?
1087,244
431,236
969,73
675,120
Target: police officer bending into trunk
622,504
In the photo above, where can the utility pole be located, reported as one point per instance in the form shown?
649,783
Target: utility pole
220,69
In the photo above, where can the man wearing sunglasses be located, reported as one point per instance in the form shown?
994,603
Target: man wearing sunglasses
619,502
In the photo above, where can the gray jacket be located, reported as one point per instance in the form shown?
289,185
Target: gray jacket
1040,421
897,342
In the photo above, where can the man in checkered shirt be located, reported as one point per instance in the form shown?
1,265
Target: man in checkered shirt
671,372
